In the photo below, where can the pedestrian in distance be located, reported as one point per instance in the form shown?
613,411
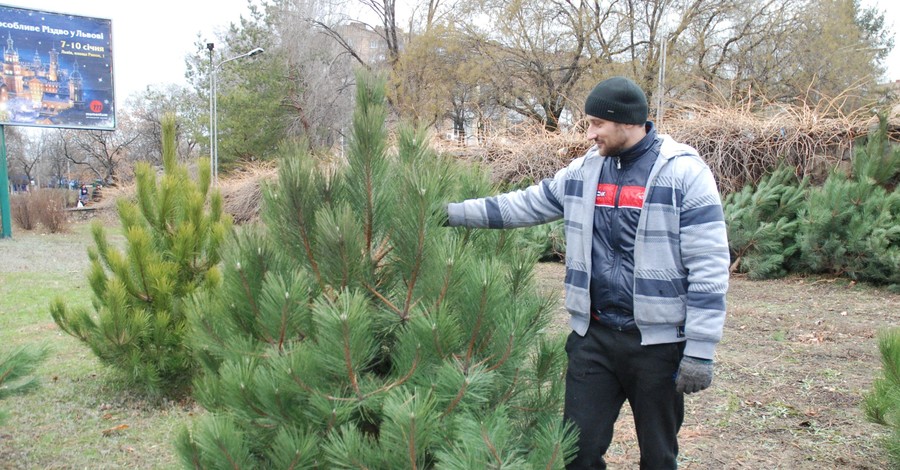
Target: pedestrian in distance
646,273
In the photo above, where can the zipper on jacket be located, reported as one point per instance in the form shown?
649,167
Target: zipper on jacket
615,238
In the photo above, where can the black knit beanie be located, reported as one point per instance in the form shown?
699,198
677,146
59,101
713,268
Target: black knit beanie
617,99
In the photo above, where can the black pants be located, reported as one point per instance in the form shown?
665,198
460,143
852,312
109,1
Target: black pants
607,367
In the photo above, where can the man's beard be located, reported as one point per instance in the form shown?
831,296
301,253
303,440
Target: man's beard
613,145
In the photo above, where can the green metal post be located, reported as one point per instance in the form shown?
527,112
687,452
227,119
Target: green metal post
4,188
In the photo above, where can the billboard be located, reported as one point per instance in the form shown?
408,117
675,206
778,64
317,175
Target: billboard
57,70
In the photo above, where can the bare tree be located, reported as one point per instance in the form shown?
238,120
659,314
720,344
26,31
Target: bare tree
104,153
143,119
54,164
735,49
317,71
538,59
22,161
537,54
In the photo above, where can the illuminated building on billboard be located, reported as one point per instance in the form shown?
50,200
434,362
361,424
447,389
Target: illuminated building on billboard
57,70
46,88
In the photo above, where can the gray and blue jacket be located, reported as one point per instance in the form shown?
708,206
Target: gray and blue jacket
681,256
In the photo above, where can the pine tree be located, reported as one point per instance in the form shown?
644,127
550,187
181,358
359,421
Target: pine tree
352,330
173,234
548,240
851,225
763,223
879,160
882,403
16,367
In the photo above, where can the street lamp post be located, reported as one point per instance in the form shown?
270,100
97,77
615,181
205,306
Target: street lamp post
661,90
213,103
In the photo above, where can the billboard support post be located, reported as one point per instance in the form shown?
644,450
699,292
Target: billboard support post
4,187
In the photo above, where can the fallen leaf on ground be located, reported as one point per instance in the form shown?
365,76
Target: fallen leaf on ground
115,429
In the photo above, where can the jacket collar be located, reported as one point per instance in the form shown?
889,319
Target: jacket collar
641,147
637,149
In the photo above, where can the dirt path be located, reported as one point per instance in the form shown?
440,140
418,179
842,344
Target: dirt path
796,358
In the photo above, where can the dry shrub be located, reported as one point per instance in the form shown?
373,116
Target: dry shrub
740,143
50,206
22,211
523,154
46,207
741,146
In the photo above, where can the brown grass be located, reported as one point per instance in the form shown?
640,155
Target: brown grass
242,190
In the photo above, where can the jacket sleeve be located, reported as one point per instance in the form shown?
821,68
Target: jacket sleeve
705,256
534,205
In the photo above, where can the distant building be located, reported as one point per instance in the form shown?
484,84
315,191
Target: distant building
893,87
368,42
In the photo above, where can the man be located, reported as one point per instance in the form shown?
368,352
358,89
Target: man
646,272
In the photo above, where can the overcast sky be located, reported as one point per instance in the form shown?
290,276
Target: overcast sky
150,41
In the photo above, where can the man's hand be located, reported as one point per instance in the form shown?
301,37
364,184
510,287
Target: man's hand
693,375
